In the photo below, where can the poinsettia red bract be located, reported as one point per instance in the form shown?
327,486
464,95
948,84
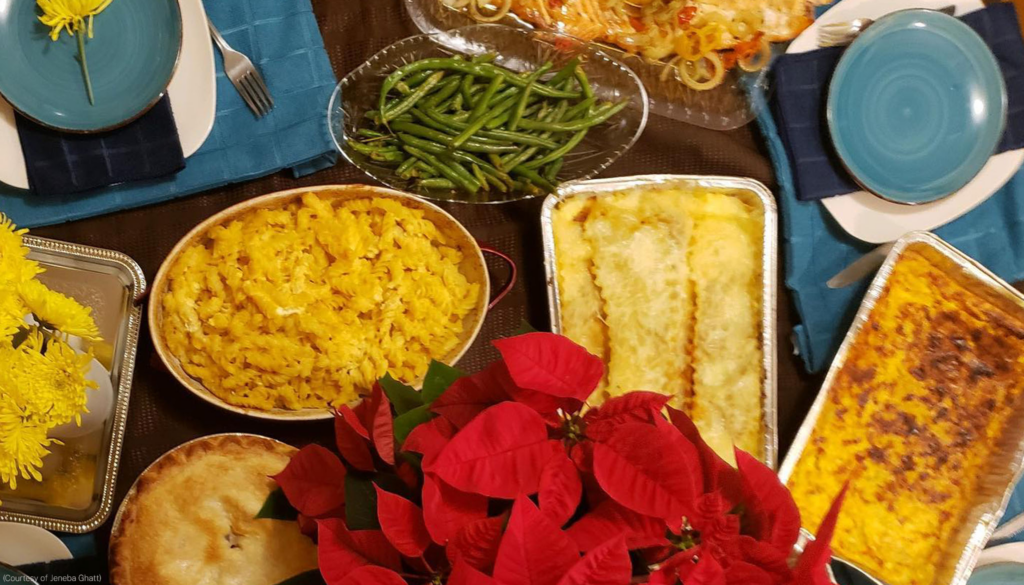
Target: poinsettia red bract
505,477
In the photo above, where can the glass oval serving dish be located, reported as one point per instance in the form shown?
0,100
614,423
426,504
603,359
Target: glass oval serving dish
725,107
516,49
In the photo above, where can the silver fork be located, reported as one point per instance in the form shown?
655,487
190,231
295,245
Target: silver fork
843,33
244,76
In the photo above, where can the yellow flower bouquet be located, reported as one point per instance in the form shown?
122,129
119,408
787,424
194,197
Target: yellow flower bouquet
43,380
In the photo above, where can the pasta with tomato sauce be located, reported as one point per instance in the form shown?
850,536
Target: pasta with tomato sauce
699,41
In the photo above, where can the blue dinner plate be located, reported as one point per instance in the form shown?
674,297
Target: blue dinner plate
132,57
917,106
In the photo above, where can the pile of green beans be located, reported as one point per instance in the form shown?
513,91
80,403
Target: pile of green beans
470,129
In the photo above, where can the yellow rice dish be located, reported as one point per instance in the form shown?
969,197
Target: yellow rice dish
665,285
912,419
306,306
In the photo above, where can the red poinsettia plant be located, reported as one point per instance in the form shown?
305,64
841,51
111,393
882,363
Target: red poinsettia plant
504,478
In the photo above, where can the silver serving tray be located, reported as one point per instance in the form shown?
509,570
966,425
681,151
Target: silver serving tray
112,284
985,515
753,193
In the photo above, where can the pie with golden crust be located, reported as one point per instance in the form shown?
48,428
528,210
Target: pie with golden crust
191,519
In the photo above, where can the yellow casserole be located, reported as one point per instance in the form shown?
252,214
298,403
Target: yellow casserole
911,420
665,285
307,305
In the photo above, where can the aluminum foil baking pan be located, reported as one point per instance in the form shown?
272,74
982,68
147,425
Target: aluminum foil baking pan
985,515
752,193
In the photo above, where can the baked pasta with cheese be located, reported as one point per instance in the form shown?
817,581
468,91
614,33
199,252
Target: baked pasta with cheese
665,286
912,418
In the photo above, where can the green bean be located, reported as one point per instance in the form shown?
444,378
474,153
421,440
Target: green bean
484,101
456,103
497,183
435,184
581,77
444,91
557,153
406,167
459,170
551,171
579,109
458,155
367,133
424,169
422,118
531,80
533,177
598,117
455,64
380,154
474,145
517,138
410,101
565,73
480,177
448,172
415,80
466,88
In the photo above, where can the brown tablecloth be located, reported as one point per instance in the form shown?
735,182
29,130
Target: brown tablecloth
164,415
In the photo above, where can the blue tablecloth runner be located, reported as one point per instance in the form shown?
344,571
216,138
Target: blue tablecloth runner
282,38
815,248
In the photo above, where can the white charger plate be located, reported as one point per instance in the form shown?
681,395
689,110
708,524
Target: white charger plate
870,218
193,92
21,544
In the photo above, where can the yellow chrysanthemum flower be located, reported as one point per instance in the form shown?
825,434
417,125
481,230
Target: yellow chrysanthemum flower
15,267
73,16
70,15
43,380
58,311
23,444
12,314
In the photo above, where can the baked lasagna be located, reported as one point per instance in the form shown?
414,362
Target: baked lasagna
912,418
665,285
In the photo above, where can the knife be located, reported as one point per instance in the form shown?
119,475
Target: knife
861,267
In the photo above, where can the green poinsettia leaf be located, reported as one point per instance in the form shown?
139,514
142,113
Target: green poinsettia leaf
361,497
439,377
312,577
277,507
524,328
403,398
405,423
360,503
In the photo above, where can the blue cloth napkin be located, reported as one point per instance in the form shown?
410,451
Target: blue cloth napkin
801,83
282,38
60,163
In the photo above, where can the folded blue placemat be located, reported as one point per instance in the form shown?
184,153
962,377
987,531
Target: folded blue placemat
801,89
282,38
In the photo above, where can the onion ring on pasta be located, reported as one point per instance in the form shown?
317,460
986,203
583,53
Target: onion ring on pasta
501,12
700,78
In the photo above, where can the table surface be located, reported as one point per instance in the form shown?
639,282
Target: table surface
164,415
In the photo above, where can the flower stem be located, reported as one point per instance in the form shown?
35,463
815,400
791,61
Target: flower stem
85,67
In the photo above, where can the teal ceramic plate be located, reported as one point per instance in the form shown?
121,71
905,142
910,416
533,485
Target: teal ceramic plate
916,106
9,574
998,574
132,57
